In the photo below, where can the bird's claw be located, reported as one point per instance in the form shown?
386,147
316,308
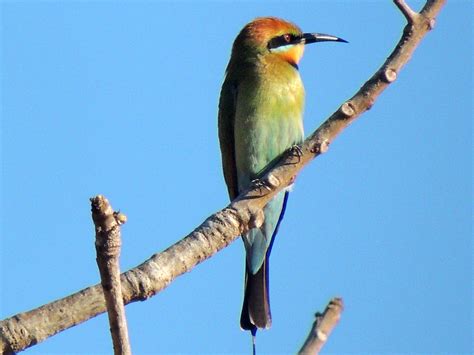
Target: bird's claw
296,151
261,184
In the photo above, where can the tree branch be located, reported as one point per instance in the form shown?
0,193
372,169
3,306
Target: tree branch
409,14
219,230
107,243
322,327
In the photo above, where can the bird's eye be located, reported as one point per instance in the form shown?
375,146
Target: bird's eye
281,41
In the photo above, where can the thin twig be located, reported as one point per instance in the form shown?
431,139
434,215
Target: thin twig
409,14
107,243
322,327
219,230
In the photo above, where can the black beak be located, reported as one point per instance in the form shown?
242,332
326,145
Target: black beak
320,37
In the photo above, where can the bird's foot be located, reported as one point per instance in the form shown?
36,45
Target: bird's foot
261,185
296,151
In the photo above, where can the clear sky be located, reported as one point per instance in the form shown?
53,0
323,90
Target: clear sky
120,98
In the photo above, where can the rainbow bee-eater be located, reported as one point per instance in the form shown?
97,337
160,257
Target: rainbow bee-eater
260,117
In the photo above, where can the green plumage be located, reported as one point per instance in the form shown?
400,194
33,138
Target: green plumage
260,117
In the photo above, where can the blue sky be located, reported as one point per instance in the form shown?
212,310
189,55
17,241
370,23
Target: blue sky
120,98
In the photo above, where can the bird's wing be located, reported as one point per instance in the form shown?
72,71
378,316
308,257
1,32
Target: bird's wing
227,105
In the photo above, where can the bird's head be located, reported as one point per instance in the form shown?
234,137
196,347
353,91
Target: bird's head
277,37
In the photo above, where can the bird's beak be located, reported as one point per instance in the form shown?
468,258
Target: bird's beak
320,37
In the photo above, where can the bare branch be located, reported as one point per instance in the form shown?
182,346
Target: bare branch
322,327
219,230
108,242
409,14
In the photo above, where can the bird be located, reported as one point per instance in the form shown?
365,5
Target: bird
260,117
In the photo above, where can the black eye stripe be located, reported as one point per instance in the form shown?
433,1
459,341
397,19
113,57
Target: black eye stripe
283,40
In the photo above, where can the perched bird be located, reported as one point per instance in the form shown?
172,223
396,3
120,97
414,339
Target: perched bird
260,117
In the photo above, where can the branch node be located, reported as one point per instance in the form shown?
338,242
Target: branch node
389,75
273,181
324,147
321,335
120,218
406,10
320,147
347,109
431,23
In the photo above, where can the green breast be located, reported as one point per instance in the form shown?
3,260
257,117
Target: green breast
268,120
